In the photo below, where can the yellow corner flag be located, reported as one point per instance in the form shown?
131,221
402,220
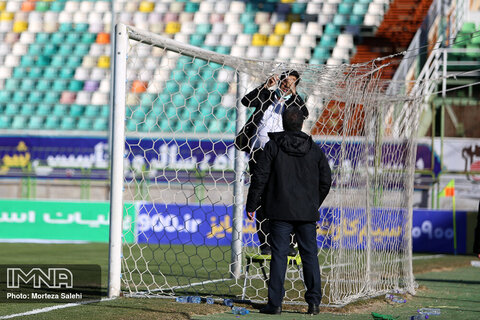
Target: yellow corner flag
449,190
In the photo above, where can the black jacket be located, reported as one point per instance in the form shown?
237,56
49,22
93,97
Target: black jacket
260,99
292,178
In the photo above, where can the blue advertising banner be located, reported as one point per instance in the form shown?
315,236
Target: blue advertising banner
164,159
211,225
432,231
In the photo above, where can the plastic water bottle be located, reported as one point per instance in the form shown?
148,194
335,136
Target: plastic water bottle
395,299
210,301
240,310
429,311
419,317
194,299
181,299
228,302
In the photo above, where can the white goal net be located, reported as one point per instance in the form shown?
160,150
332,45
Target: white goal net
176,111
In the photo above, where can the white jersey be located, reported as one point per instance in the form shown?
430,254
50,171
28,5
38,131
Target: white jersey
271,122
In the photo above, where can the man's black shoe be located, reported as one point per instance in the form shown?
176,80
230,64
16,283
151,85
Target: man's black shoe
269,309
313,309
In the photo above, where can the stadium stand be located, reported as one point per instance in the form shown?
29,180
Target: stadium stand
57,53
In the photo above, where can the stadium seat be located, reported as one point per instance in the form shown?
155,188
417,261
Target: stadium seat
19,122
52,123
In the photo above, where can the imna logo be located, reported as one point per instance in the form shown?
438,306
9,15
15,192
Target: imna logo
53,278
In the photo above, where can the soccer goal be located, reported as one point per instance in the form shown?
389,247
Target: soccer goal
175,114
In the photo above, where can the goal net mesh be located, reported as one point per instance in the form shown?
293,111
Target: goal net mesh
180,168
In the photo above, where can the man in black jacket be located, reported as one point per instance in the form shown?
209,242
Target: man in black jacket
267,117
291,181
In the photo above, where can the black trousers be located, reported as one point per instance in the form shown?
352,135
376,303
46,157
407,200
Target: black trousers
306,236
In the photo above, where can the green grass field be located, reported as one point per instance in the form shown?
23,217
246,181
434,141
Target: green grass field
448,282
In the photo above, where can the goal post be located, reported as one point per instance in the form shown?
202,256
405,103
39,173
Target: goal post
176,110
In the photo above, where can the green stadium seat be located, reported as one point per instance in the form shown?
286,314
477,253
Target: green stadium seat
12,109
60,85
230,127
50,73
131,125
171,87
75,85
73,38
42,6
65,49
67,73
203,28
4,122
19,122
52,123
42,37
178,75
35,97
58,61
468,27
191,7
43,61
81,49
67,123
321,53
250,28
43,109
12,84
20,96
341,20
92,110
57,38
197,39
74,61
27,61
105,111
88,38
35,49
356,20
84,123
186,89
20,73
220,112
247,18
199,126
50,49
139,113
60,110
299,8
65,27
27,109
35,122
215,126
5,96
359,8
223,49
43,85
81,27
328,41
57,6
35,72
76,110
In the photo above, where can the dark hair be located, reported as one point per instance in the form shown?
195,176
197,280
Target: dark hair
291,73
292,119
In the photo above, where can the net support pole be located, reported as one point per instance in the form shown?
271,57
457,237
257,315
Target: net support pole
238,188
116,161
